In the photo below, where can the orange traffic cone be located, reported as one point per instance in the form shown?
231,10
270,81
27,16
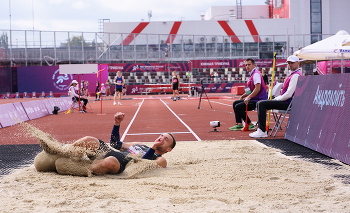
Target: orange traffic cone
246,126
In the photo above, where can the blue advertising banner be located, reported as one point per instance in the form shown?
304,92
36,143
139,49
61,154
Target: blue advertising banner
320,115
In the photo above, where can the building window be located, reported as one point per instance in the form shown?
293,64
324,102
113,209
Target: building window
316,20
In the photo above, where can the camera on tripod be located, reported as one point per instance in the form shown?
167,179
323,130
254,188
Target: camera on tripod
203,91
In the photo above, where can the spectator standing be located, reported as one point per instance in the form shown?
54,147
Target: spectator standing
175,82
118,81
108,88
87,89
264,75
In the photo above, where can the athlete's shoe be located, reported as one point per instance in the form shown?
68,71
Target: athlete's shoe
83,111
258,134
174,99
236,128
252,127
178,97
120,103
114,103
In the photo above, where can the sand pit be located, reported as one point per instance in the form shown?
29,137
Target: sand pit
206,176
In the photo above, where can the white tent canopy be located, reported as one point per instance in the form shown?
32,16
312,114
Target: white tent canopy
334,47
327,49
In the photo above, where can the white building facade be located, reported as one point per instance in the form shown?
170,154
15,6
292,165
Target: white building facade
261,30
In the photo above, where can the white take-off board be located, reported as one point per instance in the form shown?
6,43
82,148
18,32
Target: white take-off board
78,68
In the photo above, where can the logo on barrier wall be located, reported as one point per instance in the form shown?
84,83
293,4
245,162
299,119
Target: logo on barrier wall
135,67
334,98
61,81
134,90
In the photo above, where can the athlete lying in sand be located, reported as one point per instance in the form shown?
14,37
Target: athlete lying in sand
90,155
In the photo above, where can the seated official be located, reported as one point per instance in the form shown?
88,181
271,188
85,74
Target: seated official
280,102
75,97
254,92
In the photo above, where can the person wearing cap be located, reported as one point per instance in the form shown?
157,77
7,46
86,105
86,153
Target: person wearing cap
255,91
90,155
280,102
75,97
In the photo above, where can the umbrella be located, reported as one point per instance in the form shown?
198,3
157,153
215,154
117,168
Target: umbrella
328,49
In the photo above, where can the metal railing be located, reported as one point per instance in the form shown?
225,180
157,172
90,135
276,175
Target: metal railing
26,48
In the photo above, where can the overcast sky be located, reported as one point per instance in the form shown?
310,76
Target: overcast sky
83,15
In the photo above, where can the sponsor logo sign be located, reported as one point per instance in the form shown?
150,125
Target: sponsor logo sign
61,81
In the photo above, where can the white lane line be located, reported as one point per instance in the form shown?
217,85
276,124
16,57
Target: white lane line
132,120
194,134
221,103
159,133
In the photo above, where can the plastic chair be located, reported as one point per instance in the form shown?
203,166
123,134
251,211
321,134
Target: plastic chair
276,90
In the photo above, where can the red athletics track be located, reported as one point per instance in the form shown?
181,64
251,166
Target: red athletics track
146,117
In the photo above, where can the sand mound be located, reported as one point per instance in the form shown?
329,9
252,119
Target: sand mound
206,176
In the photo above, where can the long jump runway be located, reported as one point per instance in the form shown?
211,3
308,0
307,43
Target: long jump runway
144,118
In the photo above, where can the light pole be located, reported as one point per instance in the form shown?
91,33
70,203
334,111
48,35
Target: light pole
10,34
167,55
33,22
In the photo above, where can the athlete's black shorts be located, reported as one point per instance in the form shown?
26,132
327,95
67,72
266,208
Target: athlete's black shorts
175,87
118,155
118,89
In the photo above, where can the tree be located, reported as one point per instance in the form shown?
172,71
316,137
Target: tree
4,41
75,41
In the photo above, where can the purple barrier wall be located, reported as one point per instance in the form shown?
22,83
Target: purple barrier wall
35,109
49,106
68,102
21,112
217,88
60,102
8,115
320,115
11,114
